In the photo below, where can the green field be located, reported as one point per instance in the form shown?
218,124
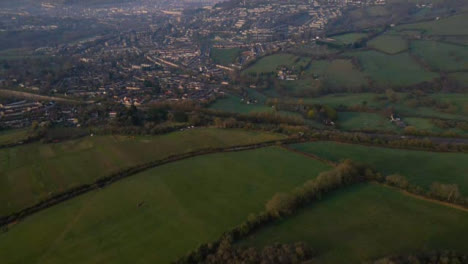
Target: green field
366,222
392,70
12,136
349,38
344,99
224,56
338,73
389,43
461,78
160,214
233,104
364,122
420,167
32,172
446,26
441,56
270,63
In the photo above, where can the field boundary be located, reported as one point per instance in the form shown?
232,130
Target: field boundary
309,155
425,198
108,180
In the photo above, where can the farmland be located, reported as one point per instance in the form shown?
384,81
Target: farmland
414,165
442,56
383,69
364,121
349,38
12,136
366,222
338,73
30,173
160,214
270,63
389,43
224,56
444,26
233,104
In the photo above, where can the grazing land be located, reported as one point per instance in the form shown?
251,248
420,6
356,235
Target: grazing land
224,56
233,104
389,43
445,26
338,73
442,56
364,121
12,136
160,214
349,38
421,168
33,172
367,222
392,70
270,63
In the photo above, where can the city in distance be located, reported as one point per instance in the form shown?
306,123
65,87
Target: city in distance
236,131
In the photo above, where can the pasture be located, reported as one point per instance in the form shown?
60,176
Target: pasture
349,38
160,214
421,168
13,136
362,121
441,56
224,56
233,104
338,73
392,70
453,25
365,222
33,172
270,63
389,43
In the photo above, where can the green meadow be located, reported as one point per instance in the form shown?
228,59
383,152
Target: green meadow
33,172
158,215
367,222
225,56
13,136
364,122
338,73
421,168
392,70
445,26
270,63
442,56
389,43
349,38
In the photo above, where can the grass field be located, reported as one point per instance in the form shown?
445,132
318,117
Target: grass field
271,63
389,43
160,214
442,56
224,56
35,171
13,136
420,167
349,38
233,104
392,70
364,121
345,99
338,73
366,222
446,26
461,78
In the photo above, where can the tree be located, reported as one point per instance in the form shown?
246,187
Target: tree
397,180
446,192
311,114
281,204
